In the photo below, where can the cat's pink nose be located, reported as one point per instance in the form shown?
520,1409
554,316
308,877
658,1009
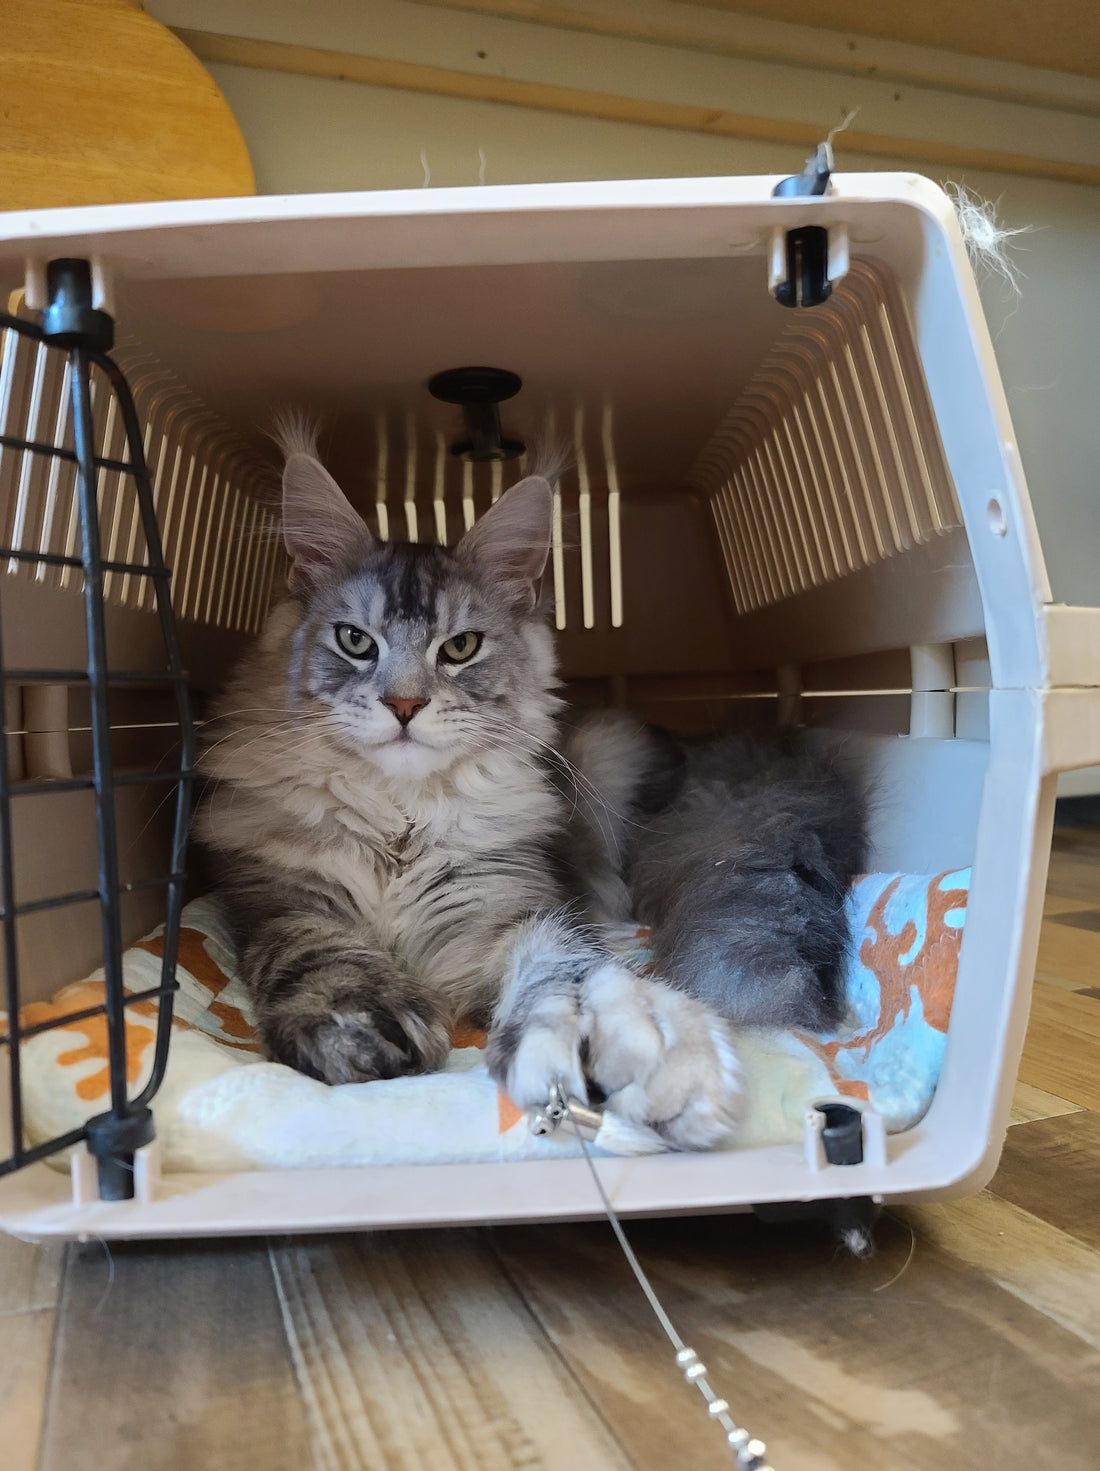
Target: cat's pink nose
404,709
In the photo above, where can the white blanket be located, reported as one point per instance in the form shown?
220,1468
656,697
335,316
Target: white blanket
222,1107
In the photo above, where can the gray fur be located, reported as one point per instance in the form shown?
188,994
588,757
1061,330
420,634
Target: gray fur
738,852
389,873
362,858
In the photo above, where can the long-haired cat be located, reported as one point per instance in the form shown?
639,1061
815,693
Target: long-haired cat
405,836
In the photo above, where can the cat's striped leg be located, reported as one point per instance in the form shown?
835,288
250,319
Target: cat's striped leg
571,1014
335,1005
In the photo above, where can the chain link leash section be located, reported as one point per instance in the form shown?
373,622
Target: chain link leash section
749,1454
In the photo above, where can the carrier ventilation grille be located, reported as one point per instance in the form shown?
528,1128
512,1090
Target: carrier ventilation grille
219,537
830,460
423,492
215,495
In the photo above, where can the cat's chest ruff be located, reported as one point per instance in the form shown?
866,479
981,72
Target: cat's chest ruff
403,850
389,841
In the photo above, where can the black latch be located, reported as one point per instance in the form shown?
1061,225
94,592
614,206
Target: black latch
814,178
114,1140
842,1133
69,319
807,248
807,282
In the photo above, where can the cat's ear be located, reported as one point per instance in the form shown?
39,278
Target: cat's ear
322,531
512,540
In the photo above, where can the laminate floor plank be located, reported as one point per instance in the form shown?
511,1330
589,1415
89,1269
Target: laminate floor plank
1052,1168
171,1357
1062,1048
914,1360
969,1340
1044,1266
30,1277
414,1350
30,1274
1030,1103
1074,871
1069,952
25,1342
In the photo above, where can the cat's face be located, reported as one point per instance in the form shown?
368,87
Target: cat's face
420,656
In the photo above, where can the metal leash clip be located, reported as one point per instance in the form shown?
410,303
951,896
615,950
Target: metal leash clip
548,1119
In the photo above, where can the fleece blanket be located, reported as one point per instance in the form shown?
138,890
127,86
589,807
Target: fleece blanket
224,1107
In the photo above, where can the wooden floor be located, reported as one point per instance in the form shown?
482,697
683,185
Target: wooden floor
970,1340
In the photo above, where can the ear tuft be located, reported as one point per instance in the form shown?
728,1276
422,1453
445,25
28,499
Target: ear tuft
296,433
511,542
323,533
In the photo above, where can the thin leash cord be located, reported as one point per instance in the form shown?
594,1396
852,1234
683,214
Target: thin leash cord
749,1454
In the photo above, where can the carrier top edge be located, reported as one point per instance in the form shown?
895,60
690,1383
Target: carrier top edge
192,233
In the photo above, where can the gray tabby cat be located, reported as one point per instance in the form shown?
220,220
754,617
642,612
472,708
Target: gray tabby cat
402,841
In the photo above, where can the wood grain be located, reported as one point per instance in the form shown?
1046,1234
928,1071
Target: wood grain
971,1339
1061,34
377,71
1052,1169
1075,865
415,1351
102,104
30,1277
1030,1103
1062,1050
941,1366
824,50
168,1358
25,1340
1034,1260
1069,953
30,1274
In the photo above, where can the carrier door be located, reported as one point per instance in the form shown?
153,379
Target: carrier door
79,532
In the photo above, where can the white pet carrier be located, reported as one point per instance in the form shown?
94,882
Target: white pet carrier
812,515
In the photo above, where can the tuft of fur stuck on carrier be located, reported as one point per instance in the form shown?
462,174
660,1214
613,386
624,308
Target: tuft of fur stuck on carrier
988,240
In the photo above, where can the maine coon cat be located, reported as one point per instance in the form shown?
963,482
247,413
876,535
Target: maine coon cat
405,836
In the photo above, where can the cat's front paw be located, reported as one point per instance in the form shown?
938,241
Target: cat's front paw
363,1042
661,1058
658,1056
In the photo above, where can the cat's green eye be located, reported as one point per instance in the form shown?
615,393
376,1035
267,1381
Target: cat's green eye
355,642
460,649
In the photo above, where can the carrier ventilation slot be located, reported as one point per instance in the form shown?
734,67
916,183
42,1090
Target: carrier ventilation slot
215,496
830,460
420,491
220,539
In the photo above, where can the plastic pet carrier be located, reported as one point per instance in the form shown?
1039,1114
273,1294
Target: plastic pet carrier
795,498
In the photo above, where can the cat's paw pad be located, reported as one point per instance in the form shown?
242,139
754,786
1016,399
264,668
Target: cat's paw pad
359,1045
661,1058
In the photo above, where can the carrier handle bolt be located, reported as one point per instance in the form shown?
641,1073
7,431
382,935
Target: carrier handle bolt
69,319
807,280
814,178
842,1134
114,1141
479,391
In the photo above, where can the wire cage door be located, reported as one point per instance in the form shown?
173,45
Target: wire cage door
65,477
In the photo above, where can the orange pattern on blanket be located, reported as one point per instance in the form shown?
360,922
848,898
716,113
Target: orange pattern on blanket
508,1115
932,971
464,1034
93,1033
196,960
